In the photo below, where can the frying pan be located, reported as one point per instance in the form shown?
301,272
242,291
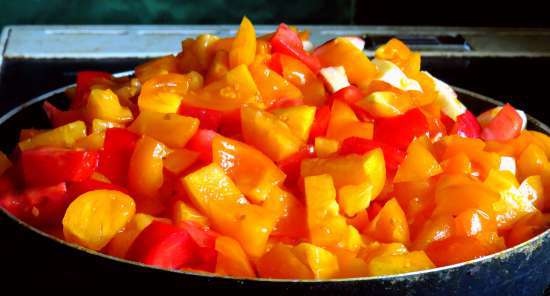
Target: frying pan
33,259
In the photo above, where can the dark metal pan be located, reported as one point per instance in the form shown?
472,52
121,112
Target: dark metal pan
33,259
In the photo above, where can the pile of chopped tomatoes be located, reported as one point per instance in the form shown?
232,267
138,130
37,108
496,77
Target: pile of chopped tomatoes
262,157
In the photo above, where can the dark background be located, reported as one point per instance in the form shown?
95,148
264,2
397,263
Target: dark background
526,13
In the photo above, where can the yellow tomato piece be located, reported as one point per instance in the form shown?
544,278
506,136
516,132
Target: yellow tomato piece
355,198
100,125
394,264
63,137
385,104
95,217
512,204
214,194
268,133
174,130
243,48
163,93
325,147
93,141
104,104
298,118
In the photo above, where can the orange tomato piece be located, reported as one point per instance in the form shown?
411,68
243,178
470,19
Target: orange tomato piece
369,167
272,86
527,227
243,48
435,229
145,176
301,76
341,52
390,224
179,160
232,259
158,66
531,161
292,223
457,249
254,173
321,262
343,123
326,226
174,130
281,263
183,212
419,164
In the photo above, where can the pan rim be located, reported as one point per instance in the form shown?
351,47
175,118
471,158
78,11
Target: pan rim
532,243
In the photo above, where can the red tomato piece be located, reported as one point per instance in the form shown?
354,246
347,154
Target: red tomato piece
49,166
350,94
209,119
399,131
59,117
288,42
201,142
505,126
39,206
320,124
117,150
467,126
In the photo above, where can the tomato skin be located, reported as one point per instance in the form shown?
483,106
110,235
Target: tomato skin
49,166
286,41
38,206
505,126
320,124
117,151
209,119
163,245
350,94
201,142
467,126
399,131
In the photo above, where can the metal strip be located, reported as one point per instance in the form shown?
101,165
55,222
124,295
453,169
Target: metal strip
144,41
